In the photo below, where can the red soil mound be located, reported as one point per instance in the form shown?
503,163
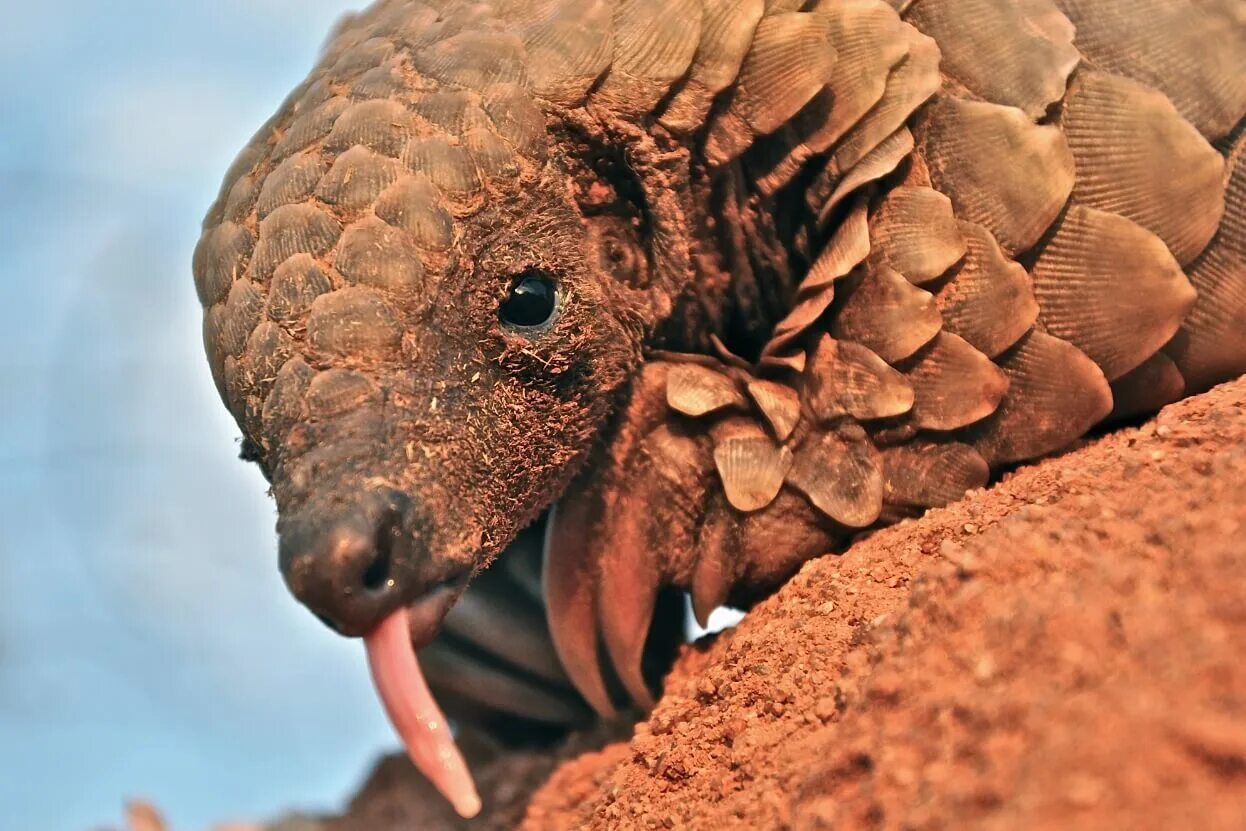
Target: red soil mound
1065,650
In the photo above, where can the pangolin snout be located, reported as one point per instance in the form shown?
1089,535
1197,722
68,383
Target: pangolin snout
355,562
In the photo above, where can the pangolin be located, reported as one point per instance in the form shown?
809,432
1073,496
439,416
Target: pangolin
702,288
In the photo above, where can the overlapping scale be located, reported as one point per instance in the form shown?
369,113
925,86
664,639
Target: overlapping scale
353,322
1109,287
654,42
909,85
727,28
869,40
568,49
221,257
295,284
914,231
1018,53
383,126
1211,344
517,120
1055,395
337,391
451,111
789,61
1137,157
415,204
291,181
1192,51
848,247
779,403
229,324
751,465
310,126
286,403
474,58
301,228
697,390
1001,170
954,385
840,473
881,161
847,379
357,178
450,167
886,313
924,475
494,158
384,81
989,300
373,253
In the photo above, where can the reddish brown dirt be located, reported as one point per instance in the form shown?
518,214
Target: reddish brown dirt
1064,650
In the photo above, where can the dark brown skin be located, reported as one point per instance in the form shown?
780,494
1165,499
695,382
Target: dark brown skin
469,403
817,267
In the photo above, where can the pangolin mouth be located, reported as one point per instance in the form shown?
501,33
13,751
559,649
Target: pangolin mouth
361,565
409,703
424,616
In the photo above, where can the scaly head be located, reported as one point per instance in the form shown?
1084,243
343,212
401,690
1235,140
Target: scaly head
421,308
428,406
427,281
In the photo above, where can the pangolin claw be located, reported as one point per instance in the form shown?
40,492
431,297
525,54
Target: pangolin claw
569,576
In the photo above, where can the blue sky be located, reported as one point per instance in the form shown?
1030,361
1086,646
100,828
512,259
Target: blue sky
147,646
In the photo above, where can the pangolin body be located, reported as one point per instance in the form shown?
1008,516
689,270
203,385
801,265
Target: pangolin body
727,280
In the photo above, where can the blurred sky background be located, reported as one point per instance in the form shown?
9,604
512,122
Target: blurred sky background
147,645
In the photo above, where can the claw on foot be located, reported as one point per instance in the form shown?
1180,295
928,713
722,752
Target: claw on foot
713,574
630,582
569,575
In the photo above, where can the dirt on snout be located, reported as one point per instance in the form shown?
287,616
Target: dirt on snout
1064,650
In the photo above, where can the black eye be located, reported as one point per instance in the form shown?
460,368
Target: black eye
531,301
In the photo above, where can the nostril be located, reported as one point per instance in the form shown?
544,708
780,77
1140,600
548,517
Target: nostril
378,574
351,562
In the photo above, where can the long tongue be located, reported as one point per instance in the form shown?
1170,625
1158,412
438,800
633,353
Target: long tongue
415,715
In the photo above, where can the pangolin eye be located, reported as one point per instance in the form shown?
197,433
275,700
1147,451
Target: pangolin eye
531,301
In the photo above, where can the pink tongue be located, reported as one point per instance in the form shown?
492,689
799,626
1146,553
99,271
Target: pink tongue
415,715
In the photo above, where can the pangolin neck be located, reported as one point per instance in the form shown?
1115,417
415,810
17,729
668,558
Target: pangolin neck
750,253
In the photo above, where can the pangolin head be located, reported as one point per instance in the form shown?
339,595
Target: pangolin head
423,294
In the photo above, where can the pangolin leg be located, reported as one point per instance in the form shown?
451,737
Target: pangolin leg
478,683
497,618
627,591
716,560
494,658
524,571
620,534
